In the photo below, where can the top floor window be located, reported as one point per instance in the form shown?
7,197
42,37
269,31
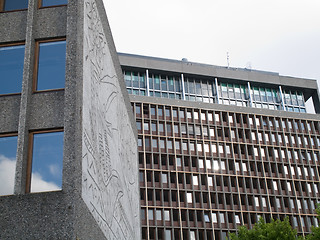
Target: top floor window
50,65
12,5
49,3
11,68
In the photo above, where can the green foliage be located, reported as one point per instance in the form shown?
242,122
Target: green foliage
276,230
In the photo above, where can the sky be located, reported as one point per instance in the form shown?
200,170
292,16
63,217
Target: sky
280,36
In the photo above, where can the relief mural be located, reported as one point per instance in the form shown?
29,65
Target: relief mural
109,164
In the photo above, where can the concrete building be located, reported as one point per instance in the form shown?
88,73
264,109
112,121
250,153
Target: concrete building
68,155
221,147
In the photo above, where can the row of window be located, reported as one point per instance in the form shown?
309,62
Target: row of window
49,70
225,150
307,171
13,5
191,130
212,91
226,119
200,217
44,168
219,183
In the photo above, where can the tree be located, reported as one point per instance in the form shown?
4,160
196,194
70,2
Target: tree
275,230
315,231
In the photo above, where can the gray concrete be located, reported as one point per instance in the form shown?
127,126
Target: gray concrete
192,68
68,214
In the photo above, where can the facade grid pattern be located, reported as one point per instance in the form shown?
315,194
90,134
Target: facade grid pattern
205,172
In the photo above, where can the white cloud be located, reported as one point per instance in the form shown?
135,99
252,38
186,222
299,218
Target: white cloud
7,172
55,170
40,185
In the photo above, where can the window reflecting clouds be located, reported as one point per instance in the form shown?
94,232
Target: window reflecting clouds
8,151
47,161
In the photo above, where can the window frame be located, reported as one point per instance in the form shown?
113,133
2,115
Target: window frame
30,154
15,10
36,64
41,7
12,45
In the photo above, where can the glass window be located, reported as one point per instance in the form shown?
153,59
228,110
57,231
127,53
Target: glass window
11,68
51,65
46,162
159,215
47,3
11,5
168,234
150,214
8,150
189,197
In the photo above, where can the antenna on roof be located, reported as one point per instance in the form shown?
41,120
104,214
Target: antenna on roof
228,59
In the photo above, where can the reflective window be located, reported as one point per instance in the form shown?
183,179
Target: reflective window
47,3
11,5
11,69
51,65
46,165
8,150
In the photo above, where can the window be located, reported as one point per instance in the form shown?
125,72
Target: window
11,5
11,68
45,161
47,3
50,66
8,150
189,197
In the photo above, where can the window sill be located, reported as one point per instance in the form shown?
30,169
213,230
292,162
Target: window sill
54,6
16,10
49,90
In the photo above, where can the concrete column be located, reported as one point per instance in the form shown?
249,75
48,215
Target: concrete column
250,96
147,79
282,98
183,90
217,90
26,94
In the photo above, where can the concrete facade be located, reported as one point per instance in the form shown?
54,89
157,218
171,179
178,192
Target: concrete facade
100,196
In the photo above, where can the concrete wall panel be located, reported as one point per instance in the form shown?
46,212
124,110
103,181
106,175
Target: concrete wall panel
109,165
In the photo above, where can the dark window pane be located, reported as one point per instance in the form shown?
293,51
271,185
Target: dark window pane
8,150
46,3
47,162
10,5
11,69
51,66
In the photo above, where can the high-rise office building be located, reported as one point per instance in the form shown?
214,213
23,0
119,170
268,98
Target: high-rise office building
222,147
68,155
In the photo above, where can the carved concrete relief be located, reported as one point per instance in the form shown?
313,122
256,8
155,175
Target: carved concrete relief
109,164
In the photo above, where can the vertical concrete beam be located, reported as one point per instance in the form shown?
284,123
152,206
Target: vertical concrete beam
23,129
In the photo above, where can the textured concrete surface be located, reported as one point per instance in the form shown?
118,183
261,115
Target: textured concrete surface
109,165
65,214
13,26
9,113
